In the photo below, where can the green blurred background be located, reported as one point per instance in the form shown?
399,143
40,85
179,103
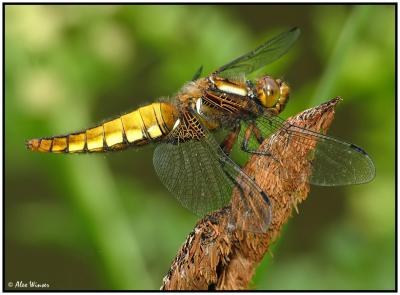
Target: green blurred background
106,221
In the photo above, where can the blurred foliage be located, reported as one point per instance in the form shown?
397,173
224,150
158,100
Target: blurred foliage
105,221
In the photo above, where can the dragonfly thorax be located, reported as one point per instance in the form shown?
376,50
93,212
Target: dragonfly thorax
272,94
231,87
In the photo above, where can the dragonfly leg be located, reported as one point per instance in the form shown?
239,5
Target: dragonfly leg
257,133
253,129
230,140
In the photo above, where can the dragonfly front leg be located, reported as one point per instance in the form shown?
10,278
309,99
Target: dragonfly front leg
230,140
250,130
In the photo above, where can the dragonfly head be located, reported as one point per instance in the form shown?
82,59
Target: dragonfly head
272,94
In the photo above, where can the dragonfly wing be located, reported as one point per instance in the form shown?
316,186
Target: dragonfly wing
202,177
191,171
265,54
197,74
333,162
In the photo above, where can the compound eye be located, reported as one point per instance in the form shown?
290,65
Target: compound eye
271,92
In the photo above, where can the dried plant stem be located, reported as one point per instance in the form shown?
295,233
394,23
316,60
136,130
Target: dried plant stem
214,258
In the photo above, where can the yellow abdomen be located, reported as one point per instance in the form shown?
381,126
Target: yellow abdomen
136,128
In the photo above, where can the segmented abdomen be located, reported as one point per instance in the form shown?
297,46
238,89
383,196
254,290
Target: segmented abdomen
136,128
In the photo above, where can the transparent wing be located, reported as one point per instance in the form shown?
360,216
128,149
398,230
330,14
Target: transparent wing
197,74
191,171
333,162
267,53
203,178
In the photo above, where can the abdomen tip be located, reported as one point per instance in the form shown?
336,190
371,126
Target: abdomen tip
32,144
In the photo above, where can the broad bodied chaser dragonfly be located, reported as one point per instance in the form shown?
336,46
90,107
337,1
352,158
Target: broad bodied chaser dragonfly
197,168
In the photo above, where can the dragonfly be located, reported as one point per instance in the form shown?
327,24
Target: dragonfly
196,167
